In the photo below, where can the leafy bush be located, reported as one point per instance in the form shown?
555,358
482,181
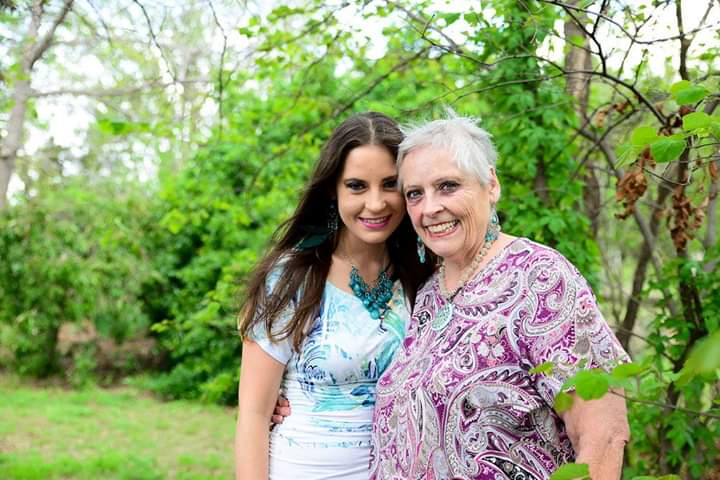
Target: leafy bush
72,253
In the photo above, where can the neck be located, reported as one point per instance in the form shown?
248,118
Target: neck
456,272
454,267
359,252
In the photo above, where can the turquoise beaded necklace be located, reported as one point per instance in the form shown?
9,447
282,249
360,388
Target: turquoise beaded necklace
375,299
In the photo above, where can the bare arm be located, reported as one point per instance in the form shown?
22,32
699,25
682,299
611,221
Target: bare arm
260,377
598,430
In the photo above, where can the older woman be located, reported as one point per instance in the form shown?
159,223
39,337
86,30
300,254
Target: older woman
458,401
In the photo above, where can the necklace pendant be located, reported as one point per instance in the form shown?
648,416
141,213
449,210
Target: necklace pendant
443,316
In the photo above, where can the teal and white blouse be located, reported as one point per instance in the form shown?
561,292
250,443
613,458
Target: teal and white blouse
331,387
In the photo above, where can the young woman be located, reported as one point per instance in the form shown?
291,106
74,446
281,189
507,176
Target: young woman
325,311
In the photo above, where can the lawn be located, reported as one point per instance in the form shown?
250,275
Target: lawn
55,433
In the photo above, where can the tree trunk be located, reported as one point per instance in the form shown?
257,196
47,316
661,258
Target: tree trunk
633,305
578,85
35,48
11,144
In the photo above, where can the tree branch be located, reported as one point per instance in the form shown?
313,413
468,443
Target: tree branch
220,70
668,406
39,48
649,234
345,107
684,41
111,92
168,65
624,31
710,239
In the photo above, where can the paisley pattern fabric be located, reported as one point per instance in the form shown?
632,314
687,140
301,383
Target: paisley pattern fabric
331,386
459,403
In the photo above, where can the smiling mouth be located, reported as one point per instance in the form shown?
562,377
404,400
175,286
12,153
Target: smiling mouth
442,228
377,222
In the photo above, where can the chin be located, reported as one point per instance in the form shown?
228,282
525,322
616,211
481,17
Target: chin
371,238
446,251
376,238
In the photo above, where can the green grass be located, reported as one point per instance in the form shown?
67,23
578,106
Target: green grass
55,433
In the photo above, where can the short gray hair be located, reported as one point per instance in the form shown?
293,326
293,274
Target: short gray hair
470,146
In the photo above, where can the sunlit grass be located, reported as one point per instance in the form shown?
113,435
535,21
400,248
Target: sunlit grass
54,433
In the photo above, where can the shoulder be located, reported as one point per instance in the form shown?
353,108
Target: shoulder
545,271
538,255
537,250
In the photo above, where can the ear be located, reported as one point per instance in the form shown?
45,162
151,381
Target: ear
494,187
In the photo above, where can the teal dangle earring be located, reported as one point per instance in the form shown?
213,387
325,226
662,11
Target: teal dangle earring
421,249
494,228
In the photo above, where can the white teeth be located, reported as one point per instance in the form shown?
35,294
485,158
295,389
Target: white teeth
441,227
375,221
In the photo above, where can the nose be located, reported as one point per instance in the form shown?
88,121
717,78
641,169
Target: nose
431,205
376,201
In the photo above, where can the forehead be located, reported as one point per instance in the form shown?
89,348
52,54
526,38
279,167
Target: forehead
425,164
369,160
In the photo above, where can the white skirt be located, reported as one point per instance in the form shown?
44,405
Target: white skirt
291,461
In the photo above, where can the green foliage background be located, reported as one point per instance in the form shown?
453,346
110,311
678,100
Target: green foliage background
166,259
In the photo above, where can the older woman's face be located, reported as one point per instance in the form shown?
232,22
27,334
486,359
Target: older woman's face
448,208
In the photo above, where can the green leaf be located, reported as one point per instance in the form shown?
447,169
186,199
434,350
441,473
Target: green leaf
691,95
571,471
642,136
450,18
705,356
121,127
591,384
563,402
668,149
542,368
577,40
696,120
677,87
246,32
626,153
174,221
627,370
669,477
715,128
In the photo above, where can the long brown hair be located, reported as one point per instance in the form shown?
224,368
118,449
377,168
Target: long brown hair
305,270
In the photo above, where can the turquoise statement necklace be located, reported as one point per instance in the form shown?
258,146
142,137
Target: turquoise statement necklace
374,298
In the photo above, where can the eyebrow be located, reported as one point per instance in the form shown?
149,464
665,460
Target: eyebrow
355,179
435,181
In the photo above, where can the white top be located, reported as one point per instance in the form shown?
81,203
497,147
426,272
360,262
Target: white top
330,384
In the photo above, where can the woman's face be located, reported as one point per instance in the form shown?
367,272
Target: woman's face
369,203
449,209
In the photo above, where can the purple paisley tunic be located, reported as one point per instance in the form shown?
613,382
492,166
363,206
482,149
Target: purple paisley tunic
457,402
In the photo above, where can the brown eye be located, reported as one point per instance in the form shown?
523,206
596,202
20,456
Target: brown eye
355,185
391,184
